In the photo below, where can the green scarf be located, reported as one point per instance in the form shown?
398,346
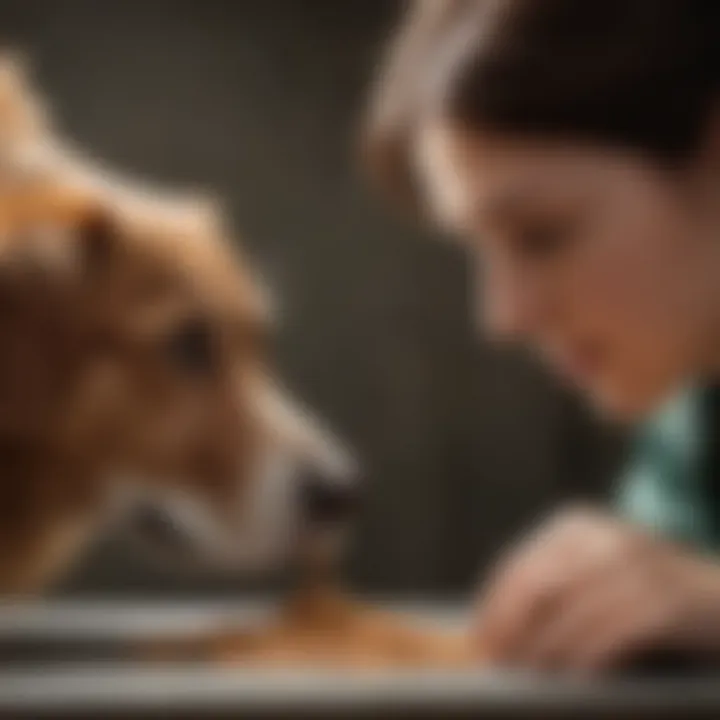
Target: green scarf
667,485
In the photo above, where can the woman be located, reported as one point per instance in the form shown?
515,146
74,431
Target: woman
574,147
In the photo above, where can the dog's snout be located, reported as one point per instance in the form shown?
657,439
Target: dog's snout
328,502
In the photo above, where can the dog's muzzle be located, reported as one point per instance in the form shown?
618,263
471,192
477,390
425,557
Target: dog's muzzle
314,529
323,504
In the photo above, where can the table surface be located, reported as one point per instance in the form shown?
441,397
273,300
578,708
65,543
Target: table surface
81,686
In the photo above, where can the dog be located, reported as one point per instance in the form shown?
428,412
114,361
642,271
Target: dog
135,382
135,376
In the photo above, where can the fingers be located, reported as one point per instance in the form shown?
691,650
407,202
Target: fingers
605,622
579,595
628,633
523,597
534,581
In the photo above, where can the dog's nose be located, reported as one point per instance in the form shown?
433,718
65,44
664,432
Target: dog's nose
329,506
327,501
157,526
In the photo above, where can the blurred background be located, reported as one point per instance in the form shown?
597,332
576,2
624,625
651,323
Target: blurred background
462,444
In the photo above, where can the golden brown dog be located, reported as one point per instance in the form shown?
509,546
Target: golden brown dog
132,368
133,377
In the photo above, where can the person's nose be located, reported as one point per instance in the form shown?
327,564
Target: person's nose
512,305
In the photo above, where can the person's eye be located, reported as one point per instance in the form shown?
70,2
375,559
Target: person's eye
541,241
191,348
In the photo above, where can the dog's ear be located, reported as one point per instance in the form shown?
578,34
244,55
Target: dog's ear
52,245
96,235
55,235
23,116
89,229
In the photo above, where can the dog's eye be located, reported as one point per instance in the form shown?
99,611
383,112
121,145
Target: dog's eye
191,346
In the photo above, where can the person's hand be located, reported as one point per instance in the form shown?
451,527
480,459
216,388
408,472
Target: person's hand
587,593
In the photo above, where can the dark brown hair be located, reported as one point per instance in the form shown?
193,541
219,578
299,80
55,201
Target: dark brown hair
641,74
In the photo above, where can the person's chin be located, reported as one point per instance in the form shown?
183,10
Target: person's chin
618,397
621,404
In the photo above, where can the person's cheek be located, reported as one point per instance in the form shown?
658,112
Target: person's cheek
652,276
619,309
594,290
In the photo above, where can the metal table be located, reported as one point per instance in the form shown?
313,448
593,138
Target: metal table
70,660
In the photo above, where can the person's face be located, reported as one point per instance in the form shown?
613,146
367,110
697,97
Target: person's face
604,263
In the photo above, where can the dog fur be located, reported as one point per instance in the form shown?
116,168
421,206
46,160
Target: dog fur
133,369
132,363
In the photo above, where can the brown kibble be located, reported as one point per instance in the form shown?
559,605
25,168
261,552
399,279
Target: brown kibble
325,628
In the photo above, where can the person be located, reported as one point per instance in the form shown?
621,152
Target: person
574,149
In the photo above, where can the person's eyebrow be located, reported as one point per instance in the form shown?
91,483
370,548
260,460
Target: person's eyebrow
500,207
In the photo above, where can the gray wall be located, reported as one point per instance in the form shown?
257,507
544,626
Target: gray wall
462,444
